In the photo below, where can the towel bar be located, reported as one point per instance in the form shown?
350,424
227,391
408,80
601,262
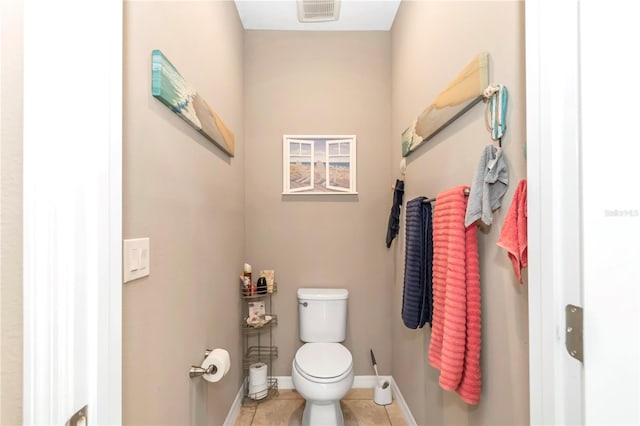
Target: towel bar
431,200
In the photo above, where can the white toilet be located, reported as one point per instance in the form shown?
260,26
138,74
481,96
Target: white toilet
322,368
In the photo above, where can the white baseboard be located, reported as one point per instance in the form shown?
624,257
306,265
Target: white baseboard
369,381
402,404
232,415
285,382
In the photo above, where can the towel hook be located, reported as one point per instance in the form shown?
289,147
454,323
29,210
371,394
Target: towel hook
496,111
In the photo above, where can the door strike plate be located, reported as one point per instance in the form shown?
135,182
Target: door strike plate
573,332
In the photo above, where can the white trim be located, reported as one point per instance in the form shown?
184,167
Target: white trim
553,173
232,415
360,382
536,337
109,392
285,382
402,404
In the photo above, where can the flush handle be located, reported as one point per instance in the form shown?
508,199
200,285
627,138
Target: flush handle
305,304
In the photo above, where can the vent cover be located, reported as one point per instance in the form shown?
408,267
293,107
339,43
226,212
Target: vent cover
318,10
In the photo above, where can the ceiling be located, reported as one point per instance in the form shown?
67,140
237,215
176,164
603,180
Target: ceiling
355,15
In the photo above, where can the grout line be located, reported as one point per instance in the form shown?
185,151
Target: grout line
387,413
285,382
255,410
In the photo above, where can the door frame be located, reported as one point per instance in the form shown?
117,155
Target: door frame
554,207
56,128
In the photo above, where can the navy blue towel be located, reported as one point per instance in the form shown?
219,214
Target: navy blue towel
394,215
417,294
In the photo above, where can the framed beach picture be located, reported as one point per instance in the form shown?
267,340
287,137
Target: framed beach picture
314,164
168,86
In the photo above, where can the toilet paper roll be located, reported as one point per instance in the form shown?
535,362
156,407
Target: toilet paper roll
258,380
258,374
221,360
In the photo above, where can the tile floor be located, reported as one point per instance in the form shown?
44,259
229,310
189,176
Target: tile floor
286,409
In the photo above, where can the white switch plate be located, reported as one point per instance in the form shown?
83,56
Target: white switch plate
136,259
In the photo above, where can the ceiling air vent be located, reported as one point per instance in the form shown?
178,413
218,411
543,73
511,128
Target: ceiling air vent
318,10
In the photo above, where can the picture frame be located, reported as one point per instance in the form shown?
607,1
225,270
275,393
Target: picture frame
319,164
170,88
462,93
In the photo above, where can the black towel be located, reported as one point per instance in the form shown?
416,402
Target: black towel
417,294
394,216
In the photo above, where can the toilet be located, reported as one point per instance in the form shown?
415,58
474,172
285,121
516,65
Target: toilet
322,370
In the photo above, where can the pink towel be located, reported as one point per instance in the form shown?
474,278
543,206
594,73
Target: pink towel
513,237
455,336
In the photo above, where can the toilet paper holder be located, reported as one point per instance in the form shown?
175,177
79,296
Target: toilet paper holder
196,371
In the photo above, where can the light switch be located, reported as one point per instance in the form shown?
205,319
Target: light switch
136,259
144,258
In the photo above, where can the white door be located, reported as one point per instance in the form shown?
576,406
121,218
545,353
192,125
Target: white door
610,135
582,89
72,211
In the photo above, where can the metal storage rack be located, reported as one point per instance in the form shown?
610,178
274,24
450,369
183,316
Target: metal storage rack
257,346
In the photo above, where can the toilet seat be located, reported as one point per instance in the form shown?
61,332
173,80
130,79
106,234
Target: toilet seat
323,362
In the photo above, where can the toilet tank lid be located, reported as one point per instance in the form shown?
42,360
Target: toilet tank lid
323,293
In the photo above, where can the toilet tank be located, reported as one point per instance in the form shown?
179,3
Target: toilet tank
322,314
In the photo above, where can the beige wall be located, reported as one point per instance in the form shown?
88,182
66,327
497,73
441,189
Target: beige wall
187,196
431,43
11,80
321,83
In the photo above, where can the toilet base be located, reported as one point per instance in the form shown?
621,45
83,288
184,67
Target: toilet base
322,413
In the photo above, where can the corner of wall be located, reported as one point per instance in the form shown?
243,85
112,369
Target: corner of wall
11,335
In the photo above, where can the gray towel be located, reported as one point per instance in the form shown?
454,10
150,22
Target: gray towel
488,186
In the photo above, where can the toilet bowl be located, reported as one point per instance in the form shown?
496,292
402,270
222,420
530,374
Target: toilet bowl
322,373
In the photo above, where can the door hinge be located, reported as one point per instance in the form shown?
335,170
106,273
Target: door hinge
573,332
